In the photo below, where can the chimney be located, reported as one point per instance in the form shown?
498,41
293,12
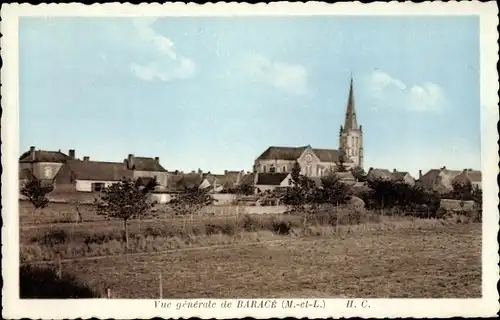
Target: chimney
394,170
420,174
443,168
71,153
86,158
225,172
32,153
130,161
157,159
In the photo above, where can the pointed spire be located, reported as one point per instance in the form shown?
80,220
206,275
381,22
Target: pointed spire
350,116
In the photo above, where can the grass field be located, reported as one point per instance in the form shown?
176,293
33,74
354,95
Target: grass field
405,259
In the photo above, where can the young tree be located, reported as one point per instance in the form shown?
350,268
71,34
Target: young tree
191,201
126,200
334,191
340,164
36,192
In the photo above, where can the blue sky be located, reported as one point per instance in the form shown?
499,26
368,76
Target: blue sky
214,93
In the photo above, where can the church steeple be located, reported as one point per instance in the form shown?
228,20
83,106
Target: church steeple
351,135
351,122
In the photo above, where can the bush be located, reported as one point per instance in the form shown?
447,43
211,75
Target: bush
43,283
250,224
52,238
282,227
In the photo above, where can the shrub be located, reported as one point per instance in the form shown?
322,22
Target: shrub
52,238
250,224
282,227
43,283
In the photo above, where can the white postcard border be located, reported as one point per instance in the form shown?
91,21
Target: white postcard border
13,307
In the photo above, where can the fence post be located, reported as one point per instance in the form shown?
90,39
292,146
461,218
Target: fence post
161,287
59,266
109,293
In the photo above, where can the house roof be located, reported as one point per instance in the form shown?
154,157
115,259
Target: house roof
189,180
230,178
44,156
327,155
97,170
271,179
248,179
146,164
282,153
345,176
374,173
474,175
469,175
399,175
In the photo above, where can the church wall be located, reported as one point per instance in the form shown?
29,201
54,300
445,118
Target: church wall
280,165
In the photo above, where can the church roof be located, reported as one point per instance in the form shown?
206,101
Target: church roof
293,153
282,153
327,155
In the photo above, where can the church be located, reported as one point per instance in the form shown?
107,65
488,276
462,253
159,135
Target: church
317,162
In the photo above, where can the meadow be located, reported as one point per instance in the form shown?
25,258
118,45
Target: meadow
250,256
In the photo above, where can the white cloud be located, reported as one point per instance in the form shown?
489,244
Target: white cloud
392,92
163,62
288,77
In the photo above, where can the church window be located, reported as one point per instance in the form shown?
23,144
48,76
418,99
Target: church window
264,169
284,168
272,169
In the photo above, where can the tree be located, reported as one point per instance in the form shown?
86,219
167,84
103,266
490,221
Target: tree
126,200
191,201
359,173
334,191
340,164
36,192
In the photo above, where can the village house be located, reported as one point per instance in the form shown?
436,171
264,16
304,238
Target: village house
69,174
378,174
269,181
317,162
439,180
403,176
474,177
42,164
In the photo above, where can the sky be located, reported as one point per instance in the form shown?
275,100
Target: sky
215,92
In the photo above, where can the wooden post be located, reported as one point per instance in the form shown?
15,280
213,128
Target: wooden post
109,293
161,287
337,219
59,266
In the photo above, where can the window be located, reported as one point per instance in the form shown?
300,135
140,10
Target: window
264,169
284,168
98,187
272,169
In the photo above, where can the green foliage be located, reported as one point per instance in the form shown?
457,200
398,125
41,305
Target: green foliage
333,191
387,194
36,192
126,200
359,173
191,201
340,165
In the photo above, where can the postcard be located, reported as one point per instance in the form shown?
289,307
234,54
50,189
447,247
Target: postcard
233,160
